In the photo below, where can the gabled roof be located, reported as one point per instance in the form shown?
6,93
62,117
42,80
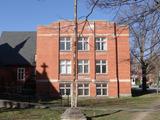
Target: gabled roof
17,48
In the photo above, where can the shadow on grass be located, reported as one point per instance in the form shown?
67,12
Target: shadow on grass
102,115
10,110
138,92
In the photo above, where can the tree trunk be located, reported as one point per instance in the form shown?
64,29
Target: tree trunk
144,78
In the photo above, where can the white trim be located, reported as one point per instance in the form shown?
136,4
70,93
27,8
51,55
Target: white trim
120,80
51,34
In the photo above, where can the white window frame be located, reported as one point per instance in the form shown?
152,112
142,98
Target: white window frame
67,66
101,89
65,40
20,73
83,88
85,42
101,66
102,42
84,63
65,88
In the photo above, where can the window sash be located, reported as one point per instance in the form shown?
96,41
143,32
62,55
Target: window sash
100,44
83,44
83,89
20,73
101,89
65,67
83,66
65,44
65,89
101,66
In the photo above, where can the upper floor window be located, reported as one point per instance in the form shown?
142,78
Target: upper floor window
83,44
101,44
101,66
83,66
65,44
20,73
65,67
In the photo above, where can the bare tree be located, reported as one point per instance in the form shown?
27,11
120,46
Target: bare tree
145,42
151,6
143,18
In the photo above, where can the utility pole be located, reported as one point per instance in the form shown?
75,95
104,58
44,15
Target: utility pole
74,85
74,112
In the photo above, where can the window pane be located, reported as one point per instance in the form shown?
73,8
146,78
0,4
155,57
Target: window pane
68,69
80,70
97,46
80,85
86,46
80,61
62,69
104,85
68,85
67,91
103,61
86,92
80,92
104,92
61,85
62,92
62,46
85,85
63,62
98,85
97,61
86,69
80,46
98,91
68,46
103,69
97,39
103,46
97,69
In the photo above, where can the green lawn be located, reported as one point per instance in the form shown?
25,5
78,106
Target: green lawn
94,109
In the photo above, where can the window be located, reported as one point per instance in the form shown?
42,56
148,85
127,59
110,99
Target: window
83,66
20,73
101,66
100,44
65,67
83,89
83,44
65,44
101,89
65,88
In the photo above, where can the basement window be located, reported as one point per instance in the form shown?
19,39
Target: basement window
83,89
65,89
101,89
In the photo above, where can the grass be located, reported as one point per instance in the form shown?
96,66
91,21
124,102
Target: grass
94,112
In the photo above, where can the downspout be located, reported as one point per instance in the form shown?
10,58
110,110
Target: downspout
117,66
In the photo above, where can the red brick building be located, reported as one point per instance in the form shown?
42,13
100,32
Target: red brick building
103,64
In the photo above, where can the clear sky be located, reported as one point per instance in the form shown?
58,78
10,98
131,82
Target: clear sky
26,15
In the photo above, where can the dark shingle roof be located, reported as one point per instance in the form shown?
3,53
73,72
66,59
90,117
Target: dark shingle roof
17,48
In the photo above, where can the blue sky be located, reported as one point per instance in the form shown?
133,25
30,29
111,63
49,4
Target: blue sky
26,15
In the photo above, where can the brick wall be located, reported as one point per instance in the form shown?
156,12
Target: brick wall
48,56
